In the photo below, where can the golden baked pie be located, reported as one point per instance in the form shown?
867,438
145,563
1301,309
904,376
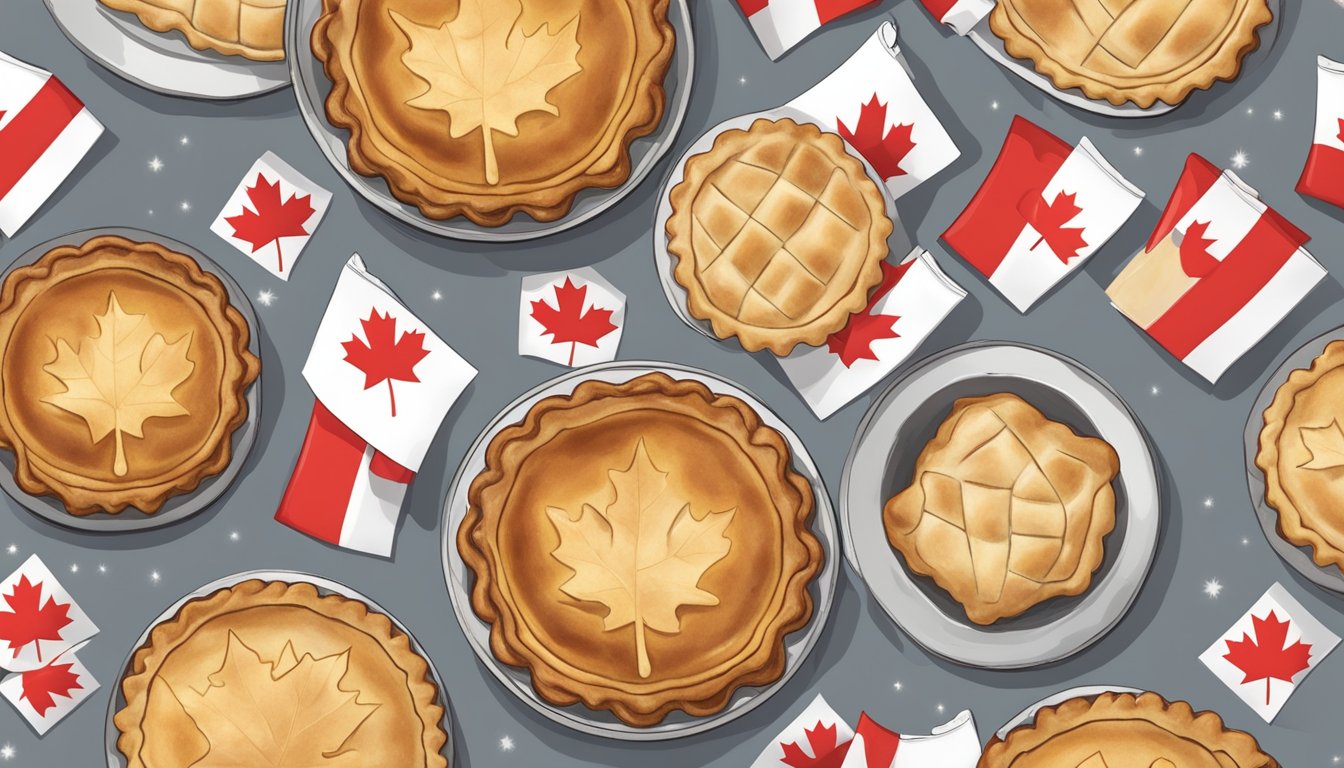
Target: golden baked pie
1143,51
274,673
1006,508
1302,455
253,29
485,108
1124,730
124,374
641,547
779,235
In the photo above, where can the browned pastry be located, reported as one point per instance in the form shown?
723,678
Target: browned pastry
641,548
253,29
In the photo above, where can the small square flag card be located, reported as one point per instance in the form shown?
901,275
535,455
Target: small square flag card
47,694
573,318
272,214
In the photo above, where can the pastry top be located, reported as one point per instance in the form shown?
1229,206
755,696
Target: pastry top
641,548
560,91
1006,508
124,374
1124,730
779,235
1142,51
253,29
274,673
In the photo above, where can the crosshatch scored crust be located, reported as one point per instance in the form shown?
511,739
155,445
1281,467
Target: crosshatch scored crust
253,29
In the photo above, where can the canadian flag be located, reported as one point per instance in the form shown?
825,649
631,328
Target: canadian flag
1043,210
960,15
384,383
39,620
871,100
44,132
573,318
44,696
912,300
782,24
272,214
1323,175
1219,272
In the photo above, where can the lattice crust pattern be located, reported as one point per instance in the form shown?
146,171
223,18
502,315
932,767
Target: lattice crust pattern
253,29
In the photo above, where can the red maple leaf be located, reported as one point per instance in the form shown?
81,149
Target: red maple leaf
383,356
884,151
568,323
31,621
854,342
1049,220
272,218
1266,657
1339,135
1195,258
40,685
821,739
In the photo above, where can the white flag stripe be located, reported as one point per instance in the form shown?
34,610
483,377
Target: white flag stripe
1230,208
965,14
51,169
1329,102
371,515
782,24
955,744
22,81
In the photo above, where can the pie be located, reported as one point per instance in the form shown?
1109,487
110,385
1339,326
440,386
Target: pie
779,235
275,673
488,108
1125,730
1140,51
253,29
124,375
641,548
1006,508
1302,455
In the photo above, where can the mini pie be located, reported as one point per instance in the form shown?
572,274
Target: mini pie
1142,51
253,29
123,377
779,235
274,673
1006,508
641,548
1302,455
1124,730
561,91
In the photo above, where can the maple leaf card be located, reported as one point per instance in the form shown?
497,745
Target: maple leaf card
573,318
817,734
1271,649
39,620
272,214
44,696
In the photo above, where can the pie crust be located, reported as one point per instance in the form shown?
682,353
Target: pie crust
574,135
744,514
253,29
275,620
779,235
1125,730
175,431
1143,51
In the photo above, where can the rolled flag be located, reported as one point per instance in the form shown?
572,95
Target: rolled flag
384,383
1043,210
782,24
912,300
960,15
39,620
1323,175
871,100
44,696
44,133
1221,270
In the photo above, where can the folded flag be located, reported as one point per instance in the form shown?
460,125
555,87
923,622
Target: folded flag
272,214
47,694
1323,175
384,383
1219,272
1044,209
871,100
912,300
44,133
39,621
960,15
782,24
573,318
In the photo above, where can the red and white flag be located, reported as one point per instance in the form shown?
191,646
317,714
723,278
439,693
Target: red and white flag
1044,209
44,696
871,100
1323,175
272,214
573,318
912,300
1221,270
782,24
39,621
44,133
960,15
384,383
1271,649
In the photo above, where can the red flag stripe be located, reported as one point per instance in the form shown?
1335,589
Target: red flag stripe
879,744
830,10
319,490
33,130
751,7
1323,175
939,8
1197,178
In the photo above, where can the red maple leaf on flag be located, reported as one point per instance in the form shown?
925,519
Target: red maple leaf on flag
854,342
884,151
568,323
29,620
821,739
272,218
1195,258
1339,135
1267,657
40,685
1049,220
382,355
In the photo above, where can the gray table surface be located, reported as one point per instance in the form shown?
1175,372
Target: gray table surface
1209,530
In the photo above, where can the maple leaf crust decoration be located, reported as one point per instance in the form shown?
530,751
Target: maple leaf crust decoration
568,323
643,556
29,620
884,151
121,377
272,219
1325,444
382,359
512,75
1268,657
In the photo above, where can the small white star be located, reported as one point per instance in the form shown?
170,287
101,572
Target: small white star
102,568
437,295
266,297
1335,760
12,549
993,105
1208,502
1138,151
156,164
1213,588
154,576
506,743
151,211
1245,542
1156,390
1278,114
1240,159
940,709
1250,110
742,81
233,535
186,205
74,567
7,752
184,141
897,685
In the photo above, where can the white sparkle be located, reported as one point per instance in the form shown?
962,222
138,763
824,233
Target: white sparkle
1208,502
12,549
7,752
151,211
742,80
74,567
1250,110
1240,159
1138,151
940,709
233,535
506,743
184,141
1156,390
154,576
993,105
437,295
897,685
186,205
266,297
1335,760
1278,114
1213,588
156,164
1245,542
102,568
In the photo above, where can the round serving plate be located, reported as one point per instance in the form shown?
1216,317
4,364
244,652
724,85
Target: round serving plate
881,462
312,86
1028,715
181,506
1299,558
599,723
161,61
324,587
